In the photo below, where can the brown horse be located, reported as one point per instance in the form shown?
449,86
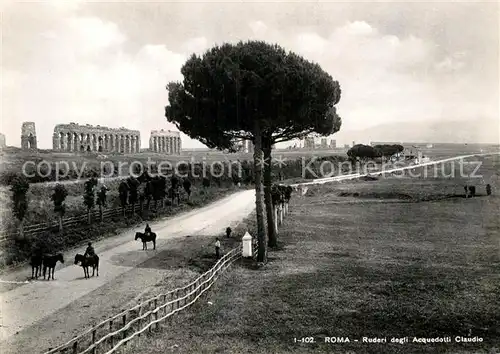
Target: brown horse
50,263
87,262
36,263
145,239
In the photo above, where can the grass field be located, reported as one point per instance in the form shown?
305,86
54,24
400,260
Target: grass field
401,258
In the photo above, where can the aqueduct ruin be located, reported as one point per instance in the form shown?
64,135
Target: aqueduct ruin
75,137
28,136
165,141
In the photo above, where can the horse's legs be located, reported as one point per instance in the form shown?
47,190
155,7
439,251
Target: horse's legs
154,244
53,270
44,271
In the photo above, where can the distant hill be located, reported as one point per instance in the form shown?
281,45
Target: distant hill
472,131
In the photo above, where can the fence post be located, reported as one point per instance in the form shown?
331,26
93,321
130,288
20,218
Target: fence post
93,340
124,322
156,314
75,347
140,320
163,303
112,338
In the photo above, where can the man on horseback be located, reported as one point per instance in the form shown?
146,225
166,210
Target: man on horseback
147,230
89,252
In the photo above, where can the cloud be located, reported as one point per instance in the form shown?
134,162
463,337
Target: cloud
195,45
83,73
259,28
66,65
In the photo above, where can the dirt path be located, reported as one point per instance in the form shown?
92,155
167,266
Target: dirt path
32,304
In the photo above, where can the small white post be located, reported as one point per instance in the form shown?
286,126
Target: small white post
281,213
247,245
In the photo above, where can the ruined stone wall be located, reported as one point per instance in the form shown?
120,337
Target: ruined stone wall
165,141
75,137
28,136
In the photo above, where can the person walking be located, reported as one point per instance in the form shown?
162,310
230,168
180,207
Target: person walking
217,248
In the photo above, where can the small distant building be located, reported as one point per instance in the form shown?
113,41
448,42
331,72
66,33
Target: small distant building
346,146
323,143
248,146
353,143
333,143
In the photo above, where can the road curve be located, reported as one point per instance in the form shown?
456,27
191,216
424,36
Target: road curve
376,173
29,303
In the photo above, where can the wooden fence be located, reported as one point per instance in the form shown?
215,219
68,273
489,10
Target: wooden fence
111,334
75,220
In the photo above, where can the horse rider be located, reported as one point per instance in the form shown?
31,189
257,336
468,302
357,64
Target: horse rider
89,252
147,230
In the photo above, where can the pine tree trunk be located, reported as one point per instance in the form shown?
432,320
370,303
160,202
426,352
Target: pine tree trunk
268,199
101,215
88,216
258,162
60,223
133,208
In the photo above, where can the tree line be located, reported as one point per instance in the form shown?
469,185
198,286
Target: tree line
142,190
360,152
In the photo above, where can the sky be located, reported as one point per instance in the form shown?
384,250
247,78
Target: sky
108,62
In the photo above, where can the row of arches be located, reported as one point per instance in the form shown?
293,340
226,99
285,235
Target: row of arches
97,142
166,144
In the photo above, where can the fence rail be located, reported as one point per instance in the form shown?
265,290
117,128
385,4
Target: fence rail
136,320
78,219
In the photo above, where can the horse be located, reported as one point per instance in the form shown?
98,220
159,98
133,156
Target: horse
146,238
87,262
36,263
50,263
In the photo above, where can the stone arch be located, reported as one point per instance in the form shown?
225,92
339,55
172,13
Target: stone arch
31,141
75,141
99,143
111,143
69,141
62,143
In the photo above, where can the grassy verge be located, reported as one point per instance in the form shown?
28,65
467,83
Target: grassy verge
375,266
16,252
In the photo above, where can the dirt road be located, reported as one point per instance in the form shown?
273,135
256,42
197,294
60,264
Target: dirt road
32,304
